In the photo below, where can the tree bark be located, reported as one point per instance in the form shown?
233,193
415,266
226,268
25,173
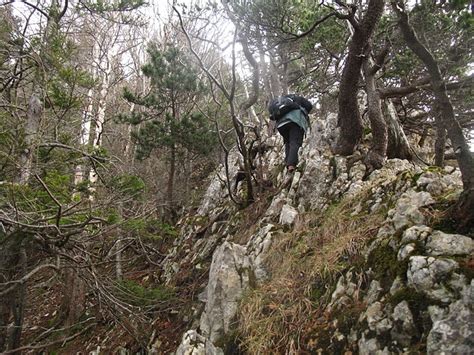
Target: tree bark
170,184
464,210
349,119
440,143
34,114
74,297
19,302
378,151
397,145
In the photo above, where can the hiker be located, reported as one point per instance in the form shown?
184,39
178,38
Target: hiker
289,115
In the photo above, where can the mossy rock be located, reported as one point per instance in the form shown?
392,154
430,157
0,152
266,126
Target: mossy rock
385,265
230,343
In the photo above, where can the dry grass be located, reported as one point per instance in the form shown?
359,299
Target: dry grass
282,316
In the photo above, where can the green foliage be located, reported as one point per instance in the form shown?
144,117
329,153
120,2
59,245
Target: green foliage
113,216
128,185
383,261
153,229
103,6
138,295
166,122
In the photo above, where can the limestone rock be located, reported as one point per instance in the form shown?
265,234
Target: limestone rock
404,327
407,211
344,291
425,274
374,292
415,233
397,285
257,248
288,215
368,346
228,277
454,333
405,251
439,243
195,344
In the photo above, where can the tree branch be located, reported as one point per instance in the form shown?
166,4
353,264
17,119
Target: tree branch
15,283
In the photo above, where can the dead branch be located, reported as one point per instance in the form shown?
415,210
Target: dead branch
15,283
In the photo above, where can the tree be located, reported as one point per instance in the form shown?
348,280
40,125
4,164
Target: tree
44,227
349,119
167,121
447,120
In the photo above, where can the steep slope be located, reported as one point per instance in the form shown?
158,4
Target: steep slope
328,262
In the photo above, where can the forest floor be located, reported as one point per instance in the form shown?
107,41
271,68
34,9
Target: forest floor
98,330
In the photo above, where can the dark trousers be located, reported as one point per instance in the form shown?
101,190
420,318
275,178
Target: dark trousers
293,138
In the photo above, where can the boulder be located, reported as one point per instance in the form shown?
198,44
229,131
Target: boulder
439,243
453,332
228,278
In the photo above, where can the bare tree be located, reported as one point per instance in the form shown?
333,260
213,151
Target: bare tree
237,112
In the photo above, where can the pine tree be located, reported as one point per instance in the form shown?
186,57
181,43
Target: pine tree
167,118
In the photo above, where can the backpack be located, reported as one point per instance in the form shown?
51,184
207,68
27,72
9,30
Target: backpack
281,105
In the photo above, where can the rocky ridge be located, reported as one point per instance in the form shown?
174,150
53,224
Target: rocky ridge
417,293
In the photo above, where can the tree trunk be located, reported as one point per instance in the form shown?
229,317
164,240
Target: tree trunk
398,145
87,115
74,297
464,210
378,151
19,302
170,184
100,118
34,114
440,143
349,119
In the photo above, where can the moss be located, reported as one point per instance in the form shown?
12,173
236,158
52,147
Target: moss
348,318
409,176
418,304
230,343
434,169
139,295
466,267
384,263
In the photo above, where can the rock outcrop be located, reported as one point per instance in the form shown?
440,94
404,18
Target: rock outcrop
416,289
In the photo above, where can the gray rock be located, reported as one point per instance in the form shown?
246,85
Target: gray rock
453,333
404,327
439,243
374,314
436,313
383,326
257,249
368,346
415,233
345,289
216,190
397,285
195,344
275,207
228,278
374,292
426,273
288,215
405,251
407,210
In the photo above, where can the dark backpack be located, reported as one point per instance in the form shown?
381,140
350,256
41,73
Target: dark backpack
281,105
